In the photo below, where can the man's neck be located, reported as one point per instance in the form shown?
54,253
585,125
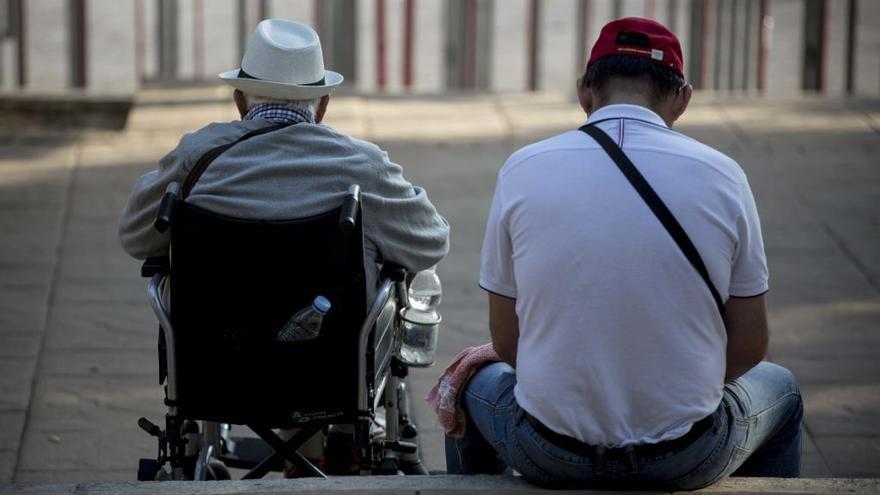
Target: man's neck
630,99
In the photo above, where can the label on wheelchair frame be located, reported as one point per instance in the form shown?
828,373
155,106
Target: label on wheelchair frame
300,417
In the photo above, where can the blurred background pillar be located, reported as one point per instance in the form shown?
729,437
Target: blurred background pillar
437,46
167,39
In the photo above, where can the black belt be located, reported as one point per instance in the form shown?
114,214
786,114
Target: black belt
575,446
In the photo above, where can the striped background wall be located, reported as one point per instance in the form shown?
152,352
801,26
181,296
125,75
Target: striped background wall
437,46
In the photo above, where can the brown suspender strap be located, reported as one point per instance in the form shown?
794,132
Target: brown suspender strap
199,168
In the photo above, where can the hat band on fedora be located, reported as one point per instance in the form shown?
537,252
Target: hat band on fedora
244,75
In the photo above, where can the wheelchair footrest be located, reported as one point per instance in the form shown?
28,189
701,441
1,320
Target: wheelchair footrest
246,452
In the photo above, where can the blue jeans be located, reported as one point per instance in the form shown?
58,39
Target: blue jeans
756,431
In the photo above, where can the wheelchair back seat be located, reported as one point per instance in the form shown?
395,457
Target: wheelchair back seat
234,283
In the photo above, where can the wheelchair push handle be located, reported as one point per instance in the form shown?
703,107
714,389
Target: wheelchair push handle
163,218
350,205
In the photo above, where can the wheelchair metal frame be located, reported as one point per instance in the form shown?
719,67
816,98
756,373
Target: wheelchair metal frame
190,449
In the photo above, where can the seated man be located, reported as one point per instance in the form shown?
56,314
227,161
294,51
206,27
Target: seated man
294,172
622,367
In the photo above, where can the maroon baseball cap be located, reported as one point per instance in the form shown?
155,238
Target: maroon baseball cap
638,37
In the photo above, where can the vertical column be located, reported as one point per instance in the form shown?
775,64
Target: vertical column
186,39
168,41
672,9
20,15
836,59
851,34
325,13
629,8
428,67
510,46
867,48
381,46
483,45
394,45
109,46
337,25
699,44
718,66
78,57
746,43
149,28
602,13
810,45
469,47
733,44
198,39
785,56
408,41
765,25
220,37
659,11
650,9
821,70
678,19
468,44
585,12
344,27
737,44
140,46
294,10
815,37
7,43
558,58
749,24
241,27
534,23
366,59
46,30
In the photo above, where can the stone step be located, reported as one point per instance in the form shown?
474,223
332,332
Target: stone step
434,485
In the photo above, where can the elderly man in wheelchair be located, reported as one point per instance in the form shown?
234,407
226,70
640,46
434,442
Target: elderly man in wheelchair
253,228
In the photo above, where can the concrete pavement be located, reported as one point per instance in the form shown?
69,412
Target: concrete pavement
77,339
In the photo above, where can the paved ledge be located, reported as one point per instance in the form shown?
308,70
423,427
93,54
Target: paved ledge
72,109
433,485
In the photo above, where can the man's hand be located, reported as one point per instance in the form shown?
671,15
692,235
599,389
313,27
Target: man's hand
504,327
746,321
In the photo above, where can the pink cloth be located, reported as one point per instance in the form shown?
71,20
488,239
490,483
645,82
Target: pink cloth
445,397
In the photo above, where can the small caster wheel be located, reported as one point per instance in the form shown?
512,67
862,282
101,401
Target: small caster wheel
147,469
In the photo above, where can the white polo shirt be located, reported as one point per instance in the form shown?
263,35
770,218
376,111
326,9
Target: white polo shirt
620,340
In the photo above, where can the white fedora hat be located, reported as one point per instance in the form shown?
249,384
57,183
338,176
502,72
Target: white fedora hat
283,60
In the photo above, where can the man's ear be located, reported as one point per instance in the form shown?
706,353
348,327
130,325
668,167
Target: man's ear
585,96
240,102
681,100
322,108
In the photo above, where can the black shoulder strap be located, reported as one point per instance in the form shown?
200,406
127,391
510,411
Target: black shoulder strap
656,205
212,154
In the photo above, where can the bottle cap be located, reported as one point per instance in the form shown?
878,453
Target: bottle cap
322,304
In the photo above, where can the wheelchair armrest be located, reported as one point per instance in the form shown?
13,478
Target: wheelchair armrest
393,272
157,264
166,207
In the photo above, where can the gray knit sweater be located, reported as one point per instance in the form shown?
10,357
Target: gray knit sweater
295,172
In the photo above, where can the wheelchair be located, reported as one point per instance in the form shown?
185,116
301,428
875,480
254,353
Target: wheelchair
233,283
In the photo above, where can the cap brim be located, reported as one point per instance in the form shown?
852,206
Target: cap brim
286,91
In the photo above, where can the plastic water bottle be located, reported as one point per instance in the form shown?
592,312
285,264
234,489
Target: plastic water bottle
425,291
306,323
421,321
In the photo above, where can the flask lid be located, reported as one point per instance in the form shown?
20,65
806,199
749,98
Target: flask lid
322,304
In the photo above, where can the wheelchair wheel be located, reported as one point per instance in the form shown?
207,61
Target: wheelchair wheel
217,471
